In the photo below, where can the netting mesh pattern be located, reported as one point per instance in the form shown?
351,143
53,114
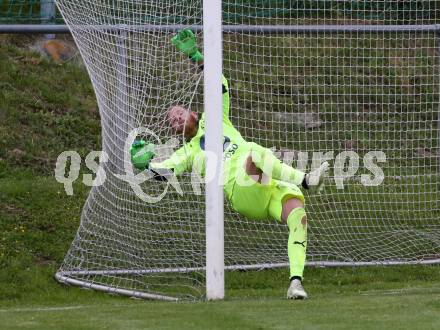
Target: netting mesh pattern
298,92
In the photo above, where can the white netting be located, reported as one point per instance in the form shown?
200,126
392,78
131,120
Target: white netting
295,90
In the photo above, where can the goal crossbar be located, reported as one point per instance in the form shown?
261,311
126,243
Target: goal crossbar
275,29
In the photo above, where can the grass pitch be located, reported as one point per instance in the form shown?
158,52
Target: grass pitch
381,310
341,298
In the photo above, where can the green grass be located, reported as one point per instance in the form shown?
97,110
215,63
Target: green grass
48,108
380,310
361,298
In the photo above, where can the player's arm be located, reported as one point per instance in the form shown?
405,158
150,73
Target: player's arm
179,162
143,156
185,41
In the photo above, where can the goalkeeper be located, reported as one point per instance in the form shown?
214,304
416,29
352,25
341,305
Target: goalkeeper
272,187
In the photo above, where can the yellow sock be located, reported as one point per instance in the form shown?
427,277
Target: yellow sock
297,243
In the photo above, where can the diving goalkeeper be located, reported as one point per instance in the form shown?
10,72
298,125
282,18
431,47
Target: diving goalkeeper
272,187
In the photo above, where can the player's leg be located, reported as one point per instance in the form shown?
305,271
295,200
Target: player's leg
296,246
287,205
265,160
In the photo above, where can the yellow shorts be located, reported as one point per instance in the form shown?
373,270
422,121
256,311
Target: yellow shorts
260,201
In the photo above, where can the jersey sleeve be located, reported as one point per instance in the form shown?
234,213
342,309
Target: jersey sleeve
226,98
179,162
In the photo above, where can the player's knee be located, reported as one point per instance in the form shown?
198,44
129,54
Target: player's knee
289,205
304,221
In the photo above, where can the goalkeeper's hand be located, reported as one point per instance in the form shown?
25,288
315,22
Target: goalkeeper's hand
315,179
185,41
141,154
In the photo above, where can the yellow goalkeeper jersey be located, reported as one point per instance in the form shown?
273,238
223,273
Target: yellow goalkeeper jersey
192,155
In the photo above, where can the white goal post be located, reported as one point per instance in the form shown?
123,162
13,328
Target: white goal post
306,77
212,31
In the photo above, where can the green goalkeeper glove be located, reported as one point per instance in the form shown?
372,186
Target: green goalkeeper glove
185,41
141,154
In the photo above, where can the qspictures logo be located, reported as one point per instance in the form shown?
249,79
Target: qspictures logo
346,166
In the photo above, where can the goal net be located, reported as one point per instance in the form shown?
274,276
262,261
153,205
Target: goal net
343,78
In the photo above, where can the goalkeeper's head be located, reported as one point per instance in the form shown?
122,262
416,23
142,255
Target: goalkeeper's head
183,121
